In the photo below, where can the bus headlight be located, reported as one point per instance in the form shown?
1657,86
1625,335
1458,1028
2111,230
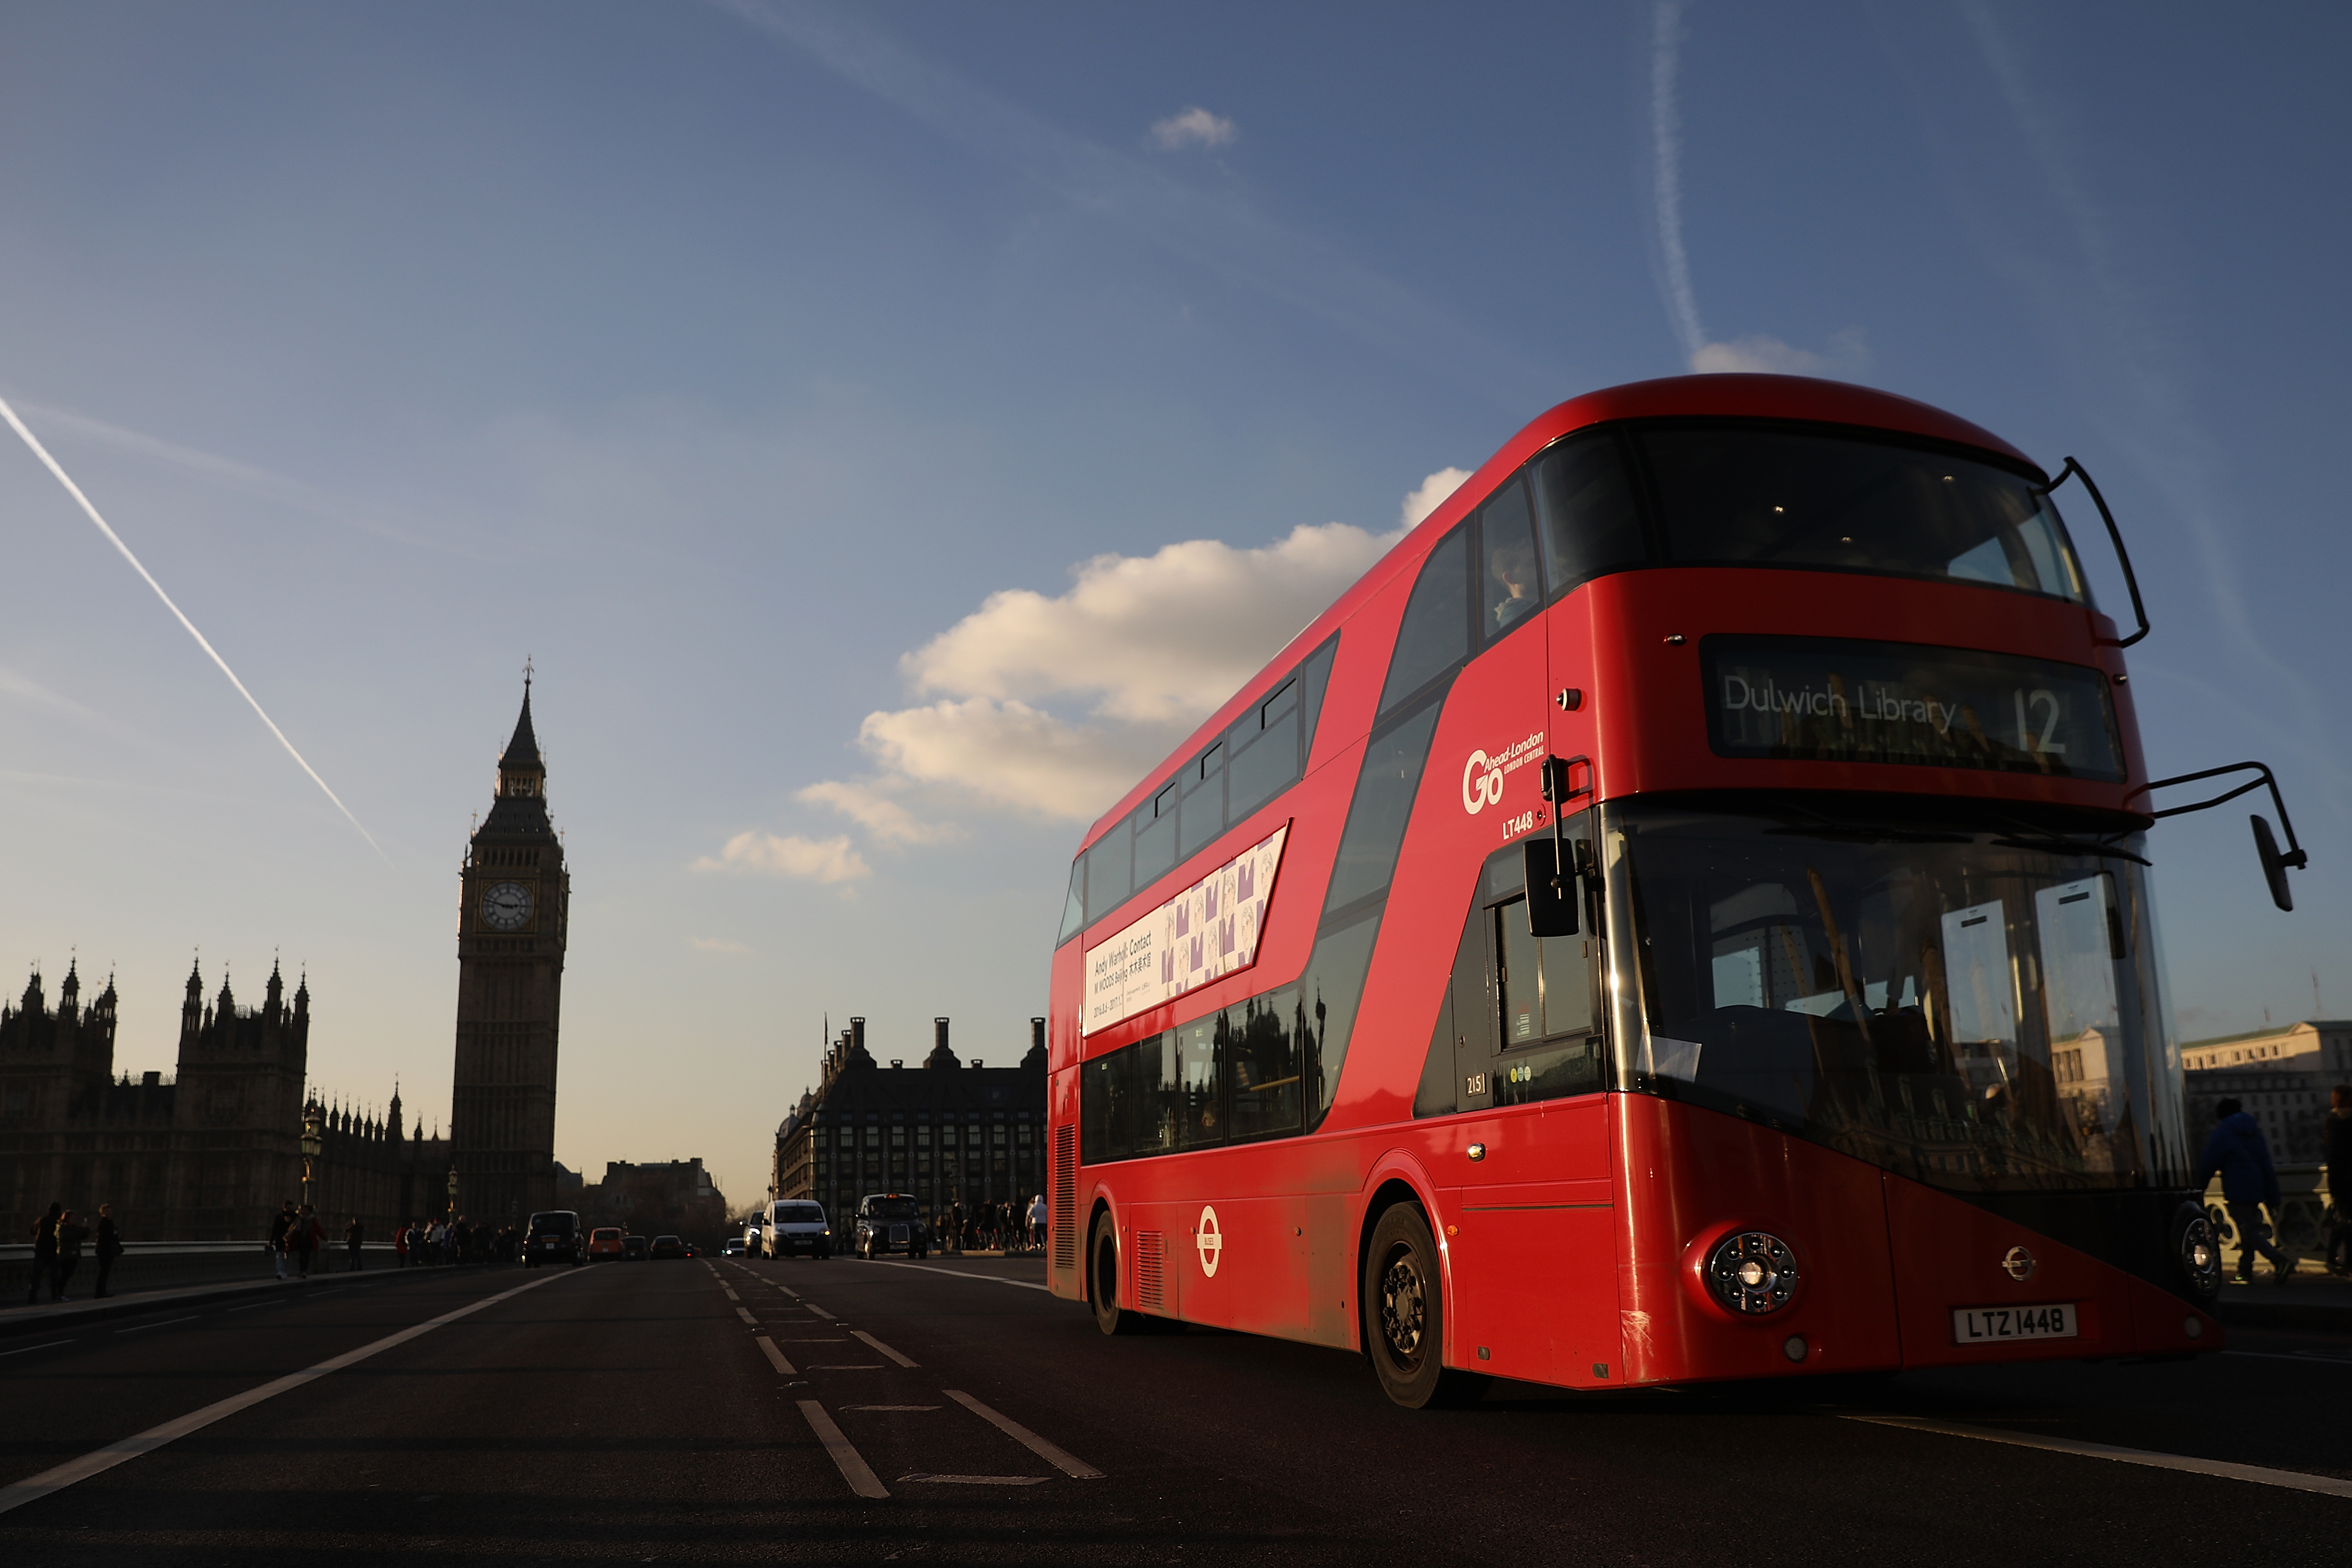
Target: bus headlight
1752,1273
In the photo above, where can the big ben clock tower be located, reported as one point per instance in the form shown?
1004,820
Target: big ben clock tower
514,896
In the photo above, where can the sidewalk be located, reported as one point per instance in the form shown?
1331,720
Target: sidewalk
50,1316
2309,1301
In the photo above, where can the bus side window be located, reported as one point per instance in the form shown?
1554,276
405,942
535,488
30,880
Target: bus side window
1590,521
1155,836
1435,633
1197,1093
1074,911
1265,747
1507,561
1202,815
1435,1095
1382,807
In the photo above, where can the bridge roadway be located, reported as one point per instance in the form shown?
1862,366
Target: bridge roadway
955,1412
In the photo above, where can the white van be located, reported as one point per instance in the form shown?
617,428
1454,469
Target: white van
796,1225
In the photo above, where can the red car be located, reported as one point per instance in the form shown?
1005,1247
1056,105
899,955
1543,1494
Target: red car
604,1243
670,1247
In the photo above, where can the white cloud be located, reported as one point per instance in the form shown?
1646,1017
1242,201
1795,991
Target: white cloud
829,860
1848,355
716,944
1430,494
1152,639
1193,127
1051,706
863,802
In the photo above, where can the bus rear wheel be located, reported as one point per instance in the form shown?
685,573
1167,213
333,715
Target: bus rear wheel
1102,1280
1404,1316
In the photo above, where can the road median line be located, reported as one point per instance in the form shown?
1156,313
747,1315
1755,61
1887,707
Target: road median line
1061,1459
845,1457
878,1345
33,1488
775,1357
2294,1480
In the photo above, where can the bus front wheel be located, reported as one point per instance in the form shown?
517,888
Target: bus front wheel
1102,1249
1404,1315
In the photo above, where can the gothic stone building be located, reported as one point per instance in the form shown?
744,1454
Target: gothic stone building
206,1155
942,1132
514,899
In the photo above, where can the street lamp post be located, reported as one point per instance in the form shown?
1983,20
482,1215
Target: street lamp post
311,1144
453,1192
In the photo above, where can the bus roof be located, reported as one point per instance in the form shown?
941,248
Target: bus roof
1733,396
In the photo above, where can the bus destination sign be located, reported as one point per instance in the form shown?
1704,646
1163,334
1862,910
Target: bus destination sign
1814,699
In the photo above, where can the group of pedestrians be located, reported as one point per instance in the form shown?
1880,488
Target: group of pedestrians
58,1236
993,1226
441,1243
2237,1152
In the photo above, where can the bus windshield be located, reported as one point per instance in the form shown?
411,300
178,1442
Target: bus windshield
1972,1004
1771,496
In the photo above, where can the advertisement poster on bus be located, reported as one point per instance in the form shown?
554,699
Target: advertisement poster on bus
1205,933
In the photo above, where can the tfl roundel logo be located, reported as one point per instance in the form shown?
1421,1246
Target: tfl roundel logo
1482,782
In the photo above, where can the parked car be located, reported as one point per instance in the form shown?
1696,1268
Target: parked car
670,1247
553,1237
889,1222
635,1248
605,1244
796,1228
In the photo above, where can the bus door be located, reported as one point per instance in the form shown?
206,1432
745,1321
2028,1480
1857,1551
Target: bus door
1533,1235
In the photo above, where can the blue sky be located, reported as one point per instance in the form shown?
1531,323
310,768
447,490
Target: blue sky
771,374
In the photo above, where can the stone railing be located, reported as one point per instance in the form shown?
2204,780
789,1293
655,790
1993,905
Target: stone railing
2300,1219
167,1265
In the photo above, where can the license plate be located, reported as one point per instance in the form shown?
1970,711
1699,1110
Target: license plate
1988,1325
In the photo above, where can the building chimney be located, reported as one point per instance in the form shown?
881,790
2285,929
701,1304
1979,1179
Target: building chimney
938,1034
1037,1034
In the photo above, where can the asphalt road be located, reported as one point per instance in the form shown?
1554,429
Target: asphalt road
632,1413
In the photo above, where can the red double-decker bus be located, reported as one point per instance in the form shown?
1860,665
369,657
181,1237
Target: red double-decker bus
1683,914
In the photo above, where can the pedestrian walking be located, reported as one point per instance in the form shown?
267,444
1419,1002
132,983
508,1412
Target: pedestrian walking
44,1251
354,1233
2249,1180
2337,1148
308,1236
110,1248
1037,1220
71,1233
281,1236
400,1244
955,1222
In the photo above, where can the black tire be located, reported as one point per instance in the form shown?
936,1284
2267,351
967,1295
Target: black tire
1102,1280
1404,1316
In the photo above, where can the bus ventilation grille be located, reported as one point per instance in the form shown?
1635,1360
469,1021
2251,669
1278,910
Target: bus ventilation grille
1151,1270
1065,1195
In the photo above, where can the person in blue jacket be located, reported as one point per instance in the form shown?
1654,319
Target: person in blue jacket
2249,1180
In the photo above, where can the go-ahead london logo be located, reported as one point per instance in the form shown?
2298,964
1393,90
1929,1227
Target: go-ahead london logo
1483,775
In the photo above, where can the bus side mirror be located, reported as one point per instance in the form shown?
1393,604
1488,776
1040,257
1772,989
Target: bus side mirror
1551,892
2274,863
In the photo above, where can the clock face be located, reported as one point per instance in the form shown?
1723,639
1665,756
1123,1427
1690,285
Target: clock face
506,906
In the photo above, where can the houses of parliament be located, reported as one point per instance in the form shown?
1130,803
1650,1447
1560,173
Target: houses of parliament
208,1154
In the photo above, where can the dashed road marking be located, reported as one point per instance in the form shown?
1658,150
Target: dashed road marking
730,1292
982,1480
775,1357
143,1328
959,1274
1053,1454
745,1313
820,1311
851,1366
890,1407
2292,1479
878,1345
845,1457
99,1460
28,1350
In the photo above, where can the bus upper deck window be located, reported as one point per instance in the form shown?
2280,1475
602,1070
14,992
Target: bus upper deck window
1436,636
1506,559
1589,519
1767,496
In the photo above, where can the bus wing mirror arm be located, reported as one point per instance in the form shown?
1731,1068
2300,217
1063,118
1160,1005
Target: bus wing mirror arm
2114,534
2275,862
1552,873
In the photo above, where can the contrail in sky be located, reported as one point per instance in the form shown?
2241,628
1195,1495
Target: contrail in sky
74,490
1666,156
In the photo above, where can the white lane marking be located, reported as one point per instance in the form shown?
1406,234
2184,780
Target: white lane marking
820,1311
258,1305
980,1480
889,1408
2314,1359
853,1467
775,1357
745,1313
730,1292
143,1328
28,1350
837,1340
1059,1458
851,1366
878,1345
789,1292
97,1461
2292,1479
957,1274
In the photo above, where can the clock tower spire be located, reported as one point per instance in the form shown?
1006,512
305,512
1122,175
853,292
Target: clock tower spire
514,897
